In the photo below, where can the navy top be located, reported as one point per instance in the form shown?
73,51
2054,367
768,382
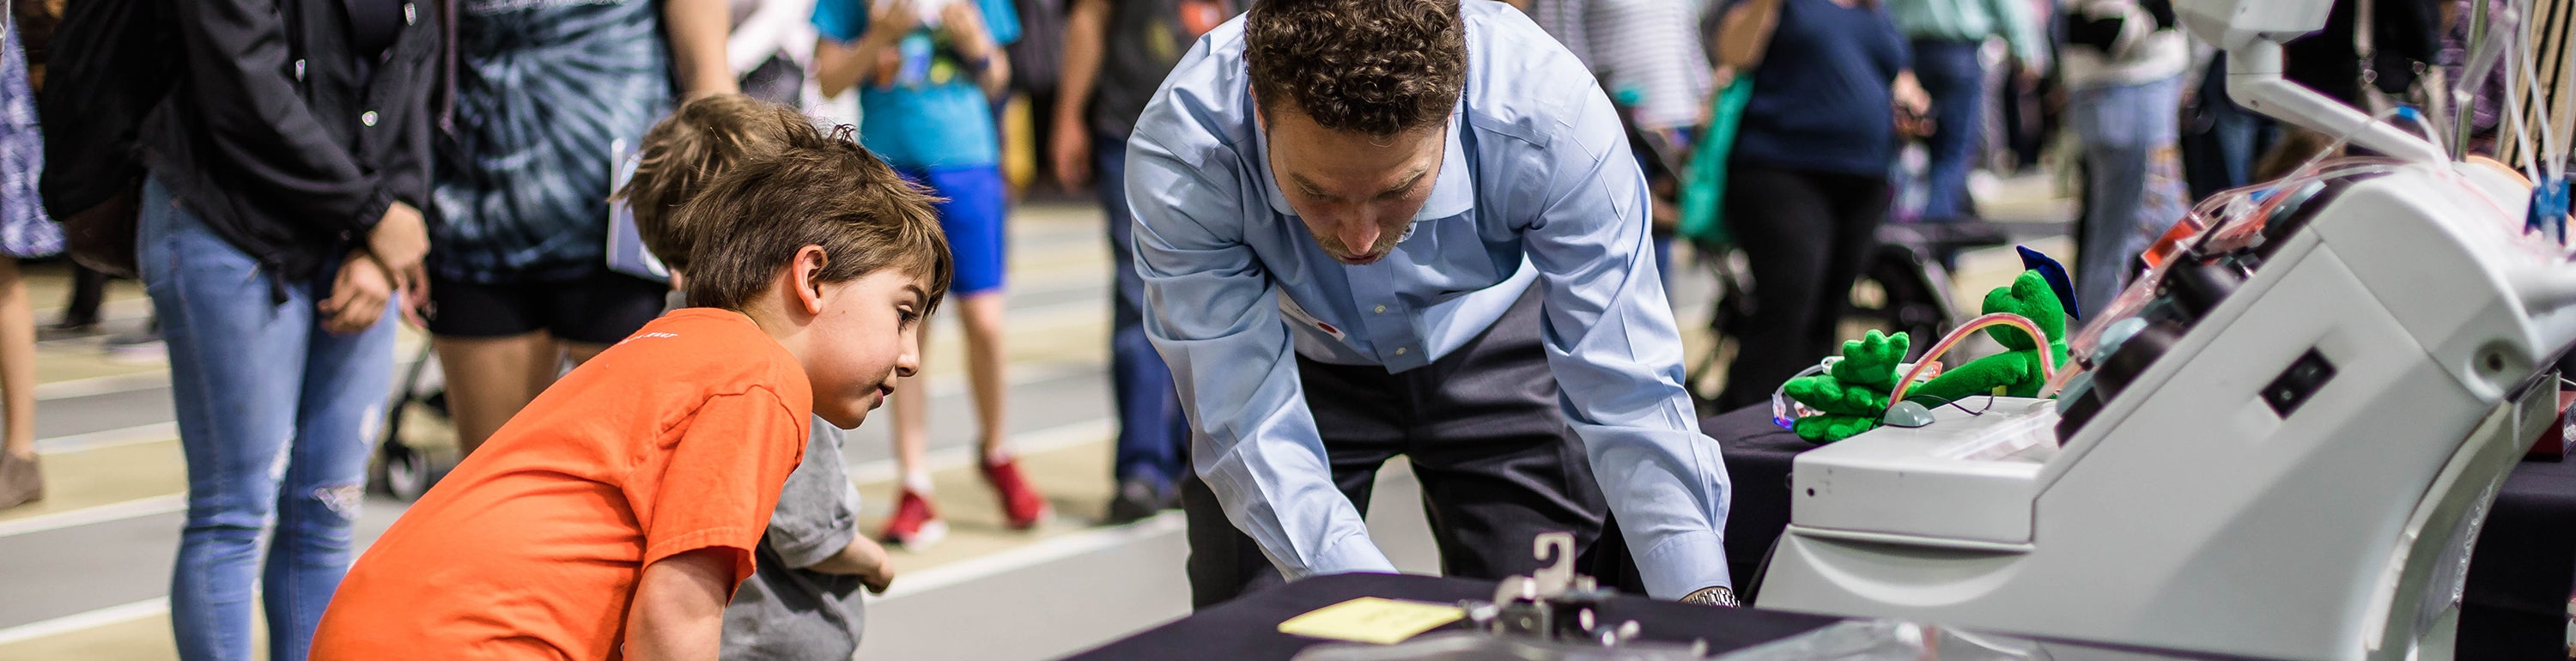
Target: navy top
1820,97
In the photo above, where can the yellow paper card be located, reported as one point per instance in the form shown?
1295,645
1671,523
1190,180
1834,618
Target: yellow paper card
1372,620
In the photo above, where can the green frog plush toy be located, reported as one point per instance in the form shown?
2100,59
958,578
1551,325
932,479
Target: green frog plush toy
1852,396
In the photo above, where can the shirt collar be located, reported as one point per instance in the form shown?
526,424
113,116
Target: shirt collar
1454,193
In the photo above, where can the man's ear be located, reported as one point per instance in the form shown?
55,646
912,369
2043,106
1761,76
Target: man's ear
805,278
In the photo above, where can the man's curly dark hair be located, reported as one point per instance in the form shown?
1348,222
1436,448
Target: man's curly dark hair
1376,67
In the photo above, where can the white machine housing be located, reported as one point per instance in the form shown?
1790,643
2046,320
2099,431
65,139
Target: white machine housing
2188,513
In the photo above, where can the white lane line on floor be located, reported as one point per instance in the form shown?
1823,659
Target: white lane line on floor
153,607
882,470
961,456
162,504
101,385
108,438
1031,555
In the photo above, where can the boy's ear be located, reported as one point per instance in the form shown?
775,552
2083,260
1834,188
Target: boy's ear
805,276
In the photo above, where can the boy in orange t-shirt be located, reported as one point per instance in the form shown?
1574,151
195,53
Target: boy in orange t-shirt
614,515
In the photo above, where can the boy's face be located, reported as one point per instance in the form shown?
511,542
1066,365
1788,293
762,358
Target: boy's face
869,334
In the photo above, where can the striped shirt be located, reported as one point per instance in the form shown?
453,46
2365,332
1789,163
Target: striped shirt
1650,48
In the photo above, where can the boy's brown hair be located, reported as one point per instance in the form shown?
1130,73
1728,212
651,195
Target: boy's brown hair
687,150
814,189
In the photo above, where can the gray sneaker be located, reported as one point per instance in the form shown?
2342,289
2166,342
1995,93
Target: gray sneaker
22,481
142,346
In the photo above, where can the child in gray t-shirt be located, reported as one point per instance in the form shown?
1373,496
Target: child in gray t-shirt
802,602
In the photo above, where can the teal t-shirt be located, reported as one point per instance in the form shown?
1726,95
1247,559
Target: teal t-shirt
931,115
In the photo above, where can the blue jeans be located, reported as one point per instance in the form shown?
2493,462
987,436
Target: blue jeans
2133,189
276,417
1950,72
1153,436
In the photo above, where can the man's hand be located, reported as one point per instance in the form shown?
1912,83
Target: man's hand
863,558
358,296
1071,149
678,612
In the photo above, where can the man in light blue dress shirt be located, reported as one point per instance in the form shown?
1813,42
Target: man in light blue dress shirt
1426,237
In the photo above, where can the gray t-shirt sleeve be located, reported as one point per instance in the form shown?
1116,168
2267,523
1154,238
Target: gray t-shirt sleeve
818,511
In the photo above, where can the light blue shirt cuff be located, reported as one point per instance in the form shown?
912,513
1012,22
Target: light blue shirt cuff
1352,553
1684,563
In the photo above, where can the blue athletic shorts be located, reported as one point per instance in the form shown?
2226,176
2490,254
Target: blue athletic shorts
973,218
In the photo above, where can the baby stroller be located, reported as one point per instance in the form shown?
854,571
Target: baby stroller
400,469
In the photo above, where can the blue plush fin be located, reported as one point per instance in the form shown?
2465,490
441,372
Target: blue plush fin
2055,273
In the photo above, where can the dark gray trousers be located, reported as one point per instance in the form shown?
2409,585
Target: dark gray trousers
1482,427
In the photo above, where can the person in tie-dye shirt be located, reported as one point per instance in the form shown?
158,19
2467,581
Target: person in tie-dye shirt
542,91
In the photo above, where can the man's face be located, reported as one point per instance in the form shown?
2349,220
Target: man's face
1357,193
871,329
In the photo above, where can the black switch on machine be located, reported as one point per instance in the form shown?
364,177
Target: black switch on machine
2297,383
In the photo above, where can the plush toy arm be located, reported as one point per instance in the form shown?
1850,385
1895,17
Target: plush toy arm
1826,393
2014,371
1827,428
1871,360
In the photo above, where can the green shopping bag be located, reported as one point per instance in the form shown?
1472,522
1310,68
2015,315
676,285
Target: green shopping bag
1703,195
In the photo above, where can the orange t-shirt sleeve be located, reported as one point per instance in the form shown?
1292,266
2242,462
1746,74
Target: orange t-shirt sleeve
720,482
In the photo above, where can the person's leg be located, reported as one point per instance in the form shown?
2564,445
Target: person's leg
490,378
17,360
21,480
343,399
1499,465
89,291
975,218
1152,433
1950,72
1783,223
236,367
493,348
1859,205
915,524
2115,164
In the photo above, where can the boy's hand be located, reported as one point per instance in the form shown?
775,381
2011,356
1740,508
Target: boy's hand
880,574
864,558
358,296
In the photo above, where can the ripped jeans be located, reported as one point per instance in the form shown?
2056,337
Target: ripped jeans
276,417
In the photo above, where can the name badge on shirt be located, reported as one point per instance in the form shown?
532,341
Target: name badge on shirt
1288,306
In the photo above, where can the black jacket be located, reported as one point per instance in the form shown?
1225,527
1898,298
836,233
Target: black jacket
278,135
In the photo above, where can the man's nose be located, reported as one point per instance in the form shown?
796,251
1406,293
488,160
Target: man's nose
1358,233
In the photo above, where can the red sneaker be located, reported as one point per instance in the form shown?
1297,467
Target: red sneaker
1020,503
915,525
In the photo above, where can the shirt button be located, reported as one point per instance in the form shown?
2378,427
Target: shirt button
1399,351
367,118
1381,309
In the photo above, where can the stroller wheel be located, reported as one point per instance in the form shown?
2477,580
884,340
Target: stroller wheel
408,473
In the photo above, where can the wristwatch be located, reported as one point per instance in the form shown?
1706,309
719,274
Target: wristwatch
1716,595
